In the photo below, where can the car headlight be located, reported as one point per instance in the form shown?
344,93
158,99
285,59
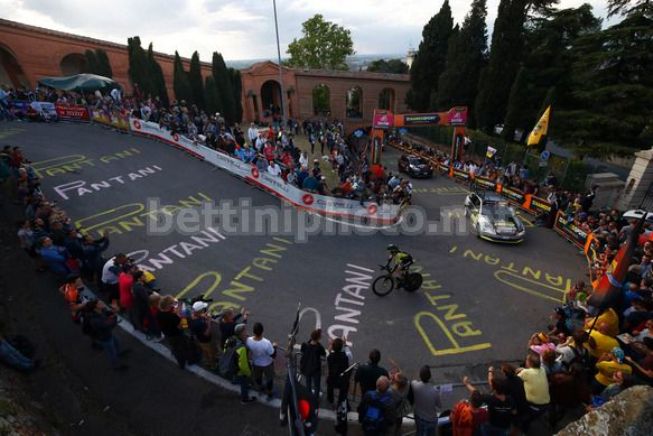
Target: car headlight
413,167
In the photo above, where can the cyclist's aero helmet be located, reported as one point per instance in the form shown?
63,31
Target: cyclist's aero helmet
392,247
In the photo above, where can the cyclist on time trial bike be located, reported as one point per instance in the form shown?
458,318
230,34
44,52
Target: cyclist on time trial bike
399,259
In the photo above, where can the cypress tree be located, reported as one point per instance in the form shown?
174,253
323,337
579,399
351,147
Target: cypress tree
156,73
430,60
103,64
505,57
466,57
223,83
181,85
237,86
195,80
139,71
211,97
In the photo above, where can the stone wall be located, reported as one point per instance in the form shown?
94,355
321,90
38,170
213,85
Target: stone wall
629,413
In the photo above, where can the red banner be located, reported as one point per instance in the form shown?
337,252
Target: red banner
458,116
72,112
382,119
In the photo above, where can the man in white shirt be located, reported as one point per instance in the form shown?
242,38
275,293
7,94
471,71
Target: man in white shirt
116,95
303,160
110,272
260,143
262,352
252,134
274,168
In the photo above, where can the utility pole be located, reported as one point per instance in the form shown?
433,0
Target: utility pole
283,92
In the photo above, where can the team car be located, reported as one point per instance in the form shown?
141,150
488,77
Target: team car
415,166
493,218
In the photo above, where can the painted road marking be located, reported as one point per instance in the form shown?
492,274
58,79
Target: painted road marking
358,280
525,278
447,319
73,163
125,218
82,187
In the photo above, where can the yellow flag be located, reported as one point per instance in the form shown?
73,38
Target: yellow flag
541,128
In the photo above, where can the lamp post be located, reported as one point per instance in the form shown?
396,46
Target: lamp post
276,28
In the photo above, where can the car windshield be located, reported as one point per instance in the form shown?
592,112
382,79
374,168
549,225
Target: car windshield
497,210
416,161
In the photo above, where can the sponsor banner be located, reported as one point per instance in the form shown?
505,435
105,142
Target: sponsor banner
72,112
570,231
383,120
19,107
325,205
421,119
114,118
461,174
513,195
485,183
151,129
44,107
458,116
540,205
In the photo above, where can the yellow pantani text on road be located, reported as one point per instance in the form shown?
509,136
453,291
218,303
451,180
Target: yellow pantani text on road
445,329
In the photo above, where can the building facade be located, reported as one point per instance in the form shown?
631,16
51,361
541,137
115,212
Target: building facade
28,53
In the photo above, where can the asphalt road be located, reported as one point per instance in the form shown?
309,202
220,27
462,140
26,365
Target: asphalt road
479,304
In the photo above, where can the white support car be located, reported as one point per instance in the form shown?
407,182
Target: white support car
493,218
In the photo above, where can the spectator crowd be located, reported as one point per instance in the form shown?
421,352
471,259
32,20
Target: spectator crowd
582,359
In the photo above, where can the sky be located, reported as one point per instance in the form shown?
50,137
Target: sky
243,29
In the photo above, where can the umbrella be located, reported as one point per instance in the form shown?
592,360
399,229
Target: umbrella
80,82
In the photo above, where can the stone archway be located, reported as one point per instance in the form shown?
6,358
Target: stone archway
73,63
354,102
321,100
271,98
11,73
387,99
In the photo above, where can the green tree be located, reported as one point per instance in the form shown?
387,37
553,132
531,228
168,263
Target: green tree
609,103
505,57
321,100
144,71
211,96
181,84
546,64
629,7
223,83
391,66
237,87
323,45
156,74
138,68
103,63
195,80
430,60
466,57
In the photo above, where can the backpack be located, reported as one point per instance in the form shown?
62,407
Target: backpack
374,416
228,363
87,327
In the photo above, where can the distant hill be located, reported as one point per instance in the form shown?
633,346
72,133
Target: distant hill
355,63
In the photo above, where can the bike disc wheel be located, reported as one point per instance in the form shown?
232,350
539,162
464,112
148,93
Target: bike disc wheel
383,285
413,282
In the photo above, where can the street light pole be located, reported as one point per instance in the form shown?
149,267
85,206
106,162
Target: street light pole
283,93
